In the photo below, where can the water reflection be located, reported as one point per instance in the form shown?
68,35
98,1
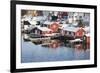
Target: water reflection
57,43
53,50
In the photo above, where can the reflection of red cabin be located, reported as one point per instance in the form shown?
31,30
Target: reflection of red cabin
88,38
74,32
78,46
54,27
81,47
54,44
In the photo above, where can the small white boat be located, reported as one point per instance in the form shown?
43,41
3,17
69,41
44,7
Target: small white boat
75,40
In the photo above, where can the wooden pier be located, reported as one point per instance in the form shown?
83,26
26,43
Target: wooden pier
40,39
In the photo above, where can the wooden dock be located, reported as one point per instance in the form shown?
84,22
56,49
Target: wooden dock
40,39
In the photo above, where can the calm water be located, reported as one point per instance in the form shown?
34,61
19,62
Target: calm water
52,51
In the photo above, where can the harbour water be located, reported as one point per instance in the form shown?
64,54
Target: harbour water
52,50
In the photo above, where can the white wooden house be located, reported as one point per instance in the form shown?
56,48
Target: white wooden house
43,31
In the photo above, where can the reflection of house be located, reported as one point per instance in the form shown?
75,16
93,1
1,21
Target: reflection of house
43,31
54,44
87,38
79,48
74,32
51,43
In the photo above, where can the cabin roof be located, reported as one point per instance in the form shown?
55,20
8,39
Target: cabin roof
87,34
87,29
75,24
33,22
44,28
38,18
49,23
63,26
72,29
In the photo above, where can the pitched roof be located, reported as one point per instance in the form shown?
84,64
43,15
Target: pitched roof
63,26
87,29
72,29
38,18
33,22
49,23
87,34
44,28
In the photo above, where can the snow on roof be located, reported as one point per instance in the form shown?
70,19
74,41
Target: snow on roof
72,29
49,22
75,24
38,18
44,28
33,22
87,29
64,25
87,34
26,18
